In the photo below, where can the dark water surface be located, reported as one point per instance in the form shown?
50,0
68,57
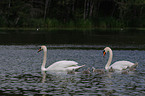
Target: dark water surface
20,72
88,37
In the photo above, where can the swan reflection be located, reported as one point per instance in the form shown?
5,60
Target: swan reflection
43,77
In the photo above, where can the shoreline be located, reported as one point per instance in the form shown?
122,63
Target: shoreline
56,28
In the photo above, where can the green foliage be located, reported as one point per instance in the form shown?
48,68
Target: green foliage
72,13
3,22
70,24
109,22
52,23
84,23
112,22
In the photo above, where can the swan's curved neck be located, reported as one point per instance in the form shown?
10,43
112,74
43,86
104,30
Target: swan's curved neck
110,58
44,59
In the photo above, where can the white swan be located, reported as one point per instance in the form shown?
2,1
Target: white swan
60,65
119,65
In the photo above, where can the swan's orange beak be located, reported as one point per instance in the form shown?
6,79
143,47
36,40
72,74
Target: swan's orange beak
104,53
39,50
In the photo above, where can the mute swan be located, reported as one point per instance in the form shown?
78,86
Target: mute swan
63,65
119,65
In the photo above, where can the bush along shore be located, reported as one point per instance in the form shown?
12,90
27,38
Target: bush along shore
50,14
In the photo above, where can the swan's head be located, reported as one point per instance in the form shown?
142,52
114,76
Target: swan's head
106,50
104,53
42,48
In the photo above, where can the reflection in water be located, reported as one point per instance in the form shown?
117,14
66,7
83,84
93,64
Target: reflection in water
88,37
43,76
93,84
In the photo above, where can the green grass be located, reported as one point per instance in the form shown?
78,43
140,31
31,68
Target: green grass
102,23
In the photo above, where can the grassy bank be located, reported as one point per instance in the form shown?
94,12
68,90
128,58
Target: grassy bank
49,24
108,23
49,29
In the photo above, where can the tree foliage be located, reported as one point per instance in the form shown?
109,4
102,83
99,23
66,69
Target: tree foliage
72,13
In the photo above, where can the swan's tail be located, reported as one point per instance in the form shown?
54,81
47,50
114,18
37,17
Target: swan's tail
76,67
81,66
135,65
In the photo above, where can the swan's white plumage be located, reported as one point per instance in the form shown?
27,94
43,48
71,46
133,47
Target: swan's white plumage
63,65
119,65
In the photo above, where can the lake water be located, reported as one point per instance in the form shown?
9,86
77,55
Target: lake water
20,72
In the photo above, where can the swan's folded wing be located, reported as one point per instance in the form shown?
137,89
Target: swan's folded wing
121,65
66,63
73,68
62,64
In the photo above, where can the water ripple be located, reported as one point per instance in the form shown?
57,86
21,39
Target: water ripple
20,73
